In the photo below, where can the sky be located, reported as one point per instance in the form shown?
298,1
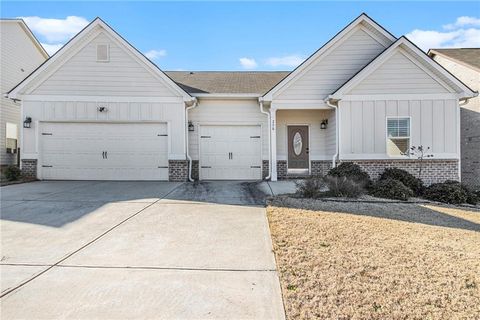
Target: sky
245,35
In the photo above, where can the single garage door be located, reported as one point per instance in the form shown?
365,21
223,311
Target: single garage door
104,151
230,152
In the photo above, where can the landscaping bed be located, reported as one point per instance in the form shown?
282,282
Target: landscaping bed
367,260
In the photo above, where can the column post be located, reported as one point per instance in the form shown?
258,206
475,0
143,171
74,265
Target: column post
273,141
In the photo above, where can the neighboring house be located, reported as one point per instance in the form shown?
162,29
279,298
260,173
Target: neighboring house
101,110
465,65
20,54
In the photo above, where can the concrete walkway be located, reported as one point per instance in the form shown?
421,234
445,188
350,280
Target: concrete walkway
117,250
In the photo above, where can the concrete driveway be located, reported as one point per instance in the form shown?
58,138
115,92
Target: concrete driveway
136,250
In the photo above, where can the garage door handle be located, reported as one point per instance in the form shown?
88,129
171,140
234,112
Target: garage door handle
255,167
205,167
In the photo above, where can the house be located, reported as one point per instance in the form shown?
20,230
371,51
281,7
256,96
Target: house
20,54
101,110
464,63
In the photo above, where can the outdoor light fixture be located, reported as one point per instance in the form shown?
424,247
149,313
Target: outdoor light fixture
102,109
190,126
27,123
324,124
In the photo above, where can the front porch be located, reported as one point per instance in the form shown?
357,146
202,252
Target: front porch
303,141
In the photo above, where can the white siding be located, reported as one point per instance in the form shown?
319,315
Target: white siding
234,112
334,67
17,52
363,126
322,142
123,75
398,75
80,111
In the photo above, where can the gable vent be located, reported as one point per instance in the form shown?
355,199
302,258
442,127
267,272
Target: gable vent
103,53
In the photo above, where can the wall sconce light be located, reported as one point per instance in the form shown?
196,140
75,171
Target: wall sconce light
102,109
191,126
27,123
324,124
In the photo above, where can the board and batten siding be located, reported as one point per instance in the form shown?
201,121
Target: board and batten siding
322,141
334,68
399,75
122,75
19,57
434,124
226,112
118,111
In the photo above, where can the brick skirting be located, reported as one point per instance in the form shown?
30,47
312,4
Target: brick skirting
29,168
264,169
177,170
433,171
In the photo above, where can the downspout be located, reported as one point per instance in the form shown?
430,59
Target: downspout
260,103
194,105
337,131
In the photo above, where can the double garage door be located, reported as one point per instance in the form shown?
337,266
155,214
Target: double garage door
139,151
230,152
104,151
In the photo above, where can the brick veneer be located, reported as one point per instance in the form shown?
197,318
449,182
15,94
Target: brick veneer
264,168
29,168
195,170
433,170
177,170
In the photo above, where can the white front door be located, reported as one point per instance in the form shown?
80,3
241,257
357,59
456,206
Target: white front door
230,152
104,151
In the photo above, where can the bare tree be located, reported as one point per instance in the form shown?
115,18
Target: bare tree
421,153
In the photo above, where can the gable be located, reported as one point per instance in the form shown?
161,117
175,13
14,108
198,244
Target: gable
335,67
122,75
74,70
399,75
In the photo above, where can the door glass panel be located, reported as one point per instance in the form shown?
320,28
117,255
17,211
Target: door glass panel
297,143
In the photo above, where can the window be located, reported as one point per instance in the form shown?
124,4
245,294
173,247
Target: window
103,53
11,137
398,136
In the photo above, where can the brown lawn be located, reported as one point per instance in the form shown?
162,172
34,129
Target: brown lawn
376,261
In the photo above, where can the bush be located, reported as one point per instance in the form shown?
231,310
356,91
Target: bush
12,173
391,189
353,172
452,192
343,187
310,188
409,180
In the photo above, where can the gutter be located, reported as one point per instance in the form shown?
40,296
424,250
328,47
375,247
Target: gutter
194,105
337,129
260,103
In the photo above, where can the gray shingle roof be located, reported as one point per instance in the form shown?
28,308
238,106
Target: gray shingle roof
470,56
242,82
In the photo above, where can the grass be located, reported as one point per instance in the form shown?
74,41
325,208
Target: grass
353,265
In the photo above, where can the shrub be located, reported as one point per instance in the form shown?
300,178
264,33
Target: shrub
343,187
452,192
12,173
310,188
353,172
409,180
391,189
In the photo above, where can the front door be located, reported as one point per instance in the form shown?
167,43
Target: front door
298,159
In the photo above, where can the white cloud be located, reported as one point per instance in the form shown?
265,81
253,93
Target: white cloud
285,61
463,33
51,48
56,30
463,21
248,63
155,54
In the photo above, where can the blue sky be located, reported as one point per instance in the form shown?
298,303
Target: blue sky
248,35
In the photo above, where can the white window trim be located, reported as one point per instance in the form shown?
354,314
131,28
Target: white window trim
108,52
409,137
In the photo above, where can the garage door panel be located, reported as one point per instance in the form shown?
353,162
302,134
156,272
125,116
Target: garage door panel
76,151
230,152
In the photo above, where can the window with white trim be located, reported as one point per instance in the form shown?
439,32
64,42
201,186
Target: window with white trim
11,136
103,53
398,136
